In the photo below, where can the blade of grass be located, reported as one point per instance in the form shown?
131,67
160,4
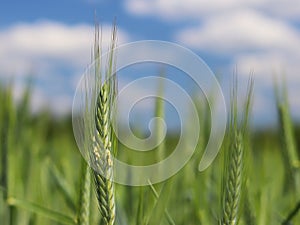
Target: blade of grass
140,213
62,185
294,212
40,210
160,206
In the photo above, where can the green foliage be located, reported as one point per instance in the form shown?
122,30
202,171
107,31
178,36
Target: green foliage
41,183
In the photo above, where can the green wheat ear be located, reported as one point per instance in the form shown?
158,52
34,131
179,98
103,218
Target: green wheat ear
103,146
233,182
85,195
234,165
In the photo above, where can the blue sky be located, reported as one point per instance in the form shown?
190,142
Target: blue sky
52,40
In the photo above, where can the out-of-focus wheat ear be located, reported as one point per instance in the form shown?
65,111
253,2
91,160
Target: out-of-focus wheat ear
247,106
7,133
7,138
289,148
85,195
248,209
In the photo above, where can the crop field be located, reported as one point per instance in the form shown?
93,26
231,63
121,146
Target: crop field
44,180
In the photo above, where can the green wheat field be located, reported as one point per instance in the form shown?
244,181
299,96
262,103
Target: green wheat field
44,180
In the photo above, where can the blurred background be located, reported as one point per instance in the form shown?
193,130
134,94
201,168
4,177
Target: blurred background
50,43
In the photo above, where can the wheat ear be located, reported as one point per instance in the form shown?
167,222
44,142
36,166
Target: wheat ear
85,195
233,182
234,171
102,154
104,139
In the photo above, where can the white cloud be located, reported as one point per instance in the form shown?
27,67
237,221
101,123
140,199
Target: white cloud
189,9
27,45
54,52
177,9
241,31
269,65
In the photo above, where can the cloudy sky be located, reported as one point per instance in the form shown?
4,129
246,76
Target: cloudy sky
51,40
